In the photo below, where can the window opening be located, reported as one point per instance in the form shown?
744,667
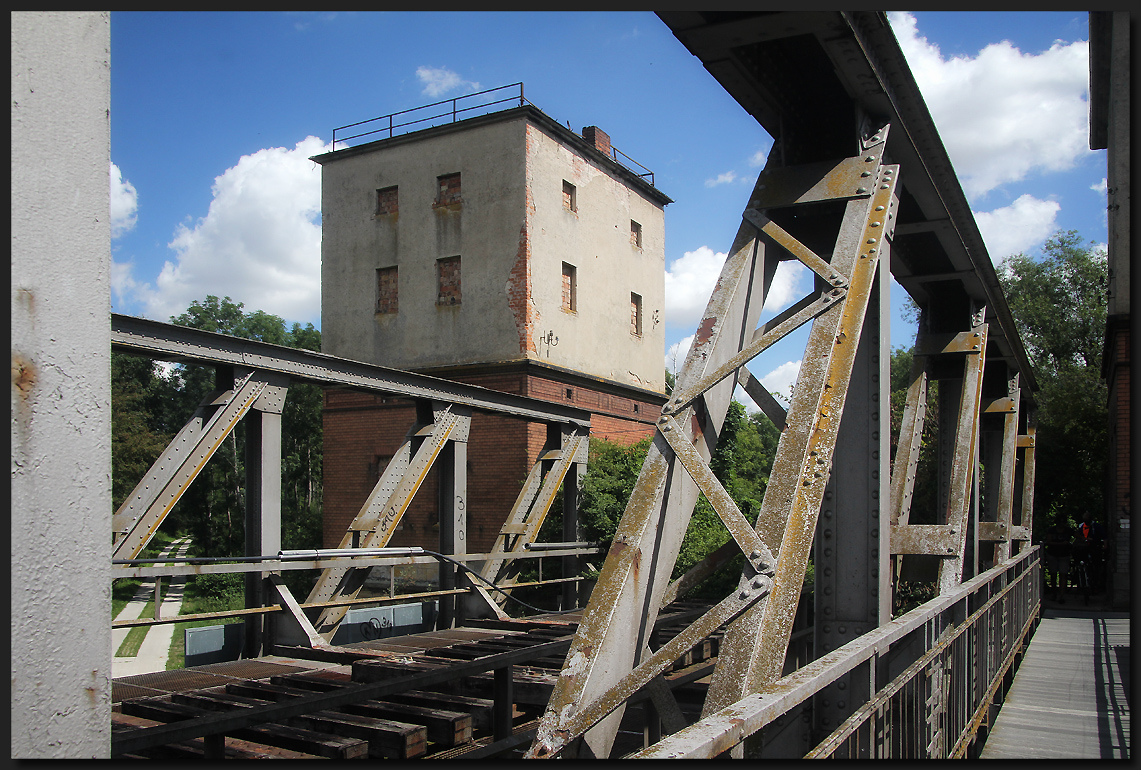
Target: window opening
387,290
448,281
447,189
570,288
635,314
570,200
387,201
635,234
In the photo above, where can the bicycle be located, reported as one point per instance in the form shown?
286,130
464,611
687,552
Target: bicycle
1080,576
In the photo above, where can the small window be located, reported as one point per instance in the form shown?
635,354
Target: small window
570,288
635,234
387,201
635,314
447,189
570,200
387,290
570,394
448,281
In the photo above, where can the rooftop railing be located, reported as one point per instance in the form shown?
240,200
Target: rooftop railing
451,110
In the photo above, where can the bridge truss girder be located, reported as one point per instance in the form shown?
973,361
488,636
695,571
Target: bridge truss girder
253,379
814,80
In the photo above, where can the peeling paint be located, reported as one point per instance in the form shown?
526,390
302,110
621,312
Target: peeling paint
704,332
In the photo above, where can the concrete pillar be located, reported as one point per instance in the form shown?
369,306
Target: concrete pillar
61,385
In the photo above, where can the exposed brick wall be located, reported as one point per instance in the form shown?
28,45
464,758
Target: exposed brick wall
635,234
448,281
362,431
635,314
518,289
1118,379
448,191
387,290
597,137
387,201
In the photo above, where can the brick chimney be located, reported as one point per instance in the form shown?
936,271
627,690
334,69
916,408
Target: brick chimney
599,138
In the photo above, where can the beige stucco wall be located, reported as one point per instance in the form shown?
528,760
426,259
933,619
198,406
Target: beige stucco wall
484,231
512,234
596,338
61,386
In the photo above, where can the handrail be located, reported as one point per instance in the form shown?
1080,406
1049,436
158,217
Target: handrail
454,112
730,726
458,113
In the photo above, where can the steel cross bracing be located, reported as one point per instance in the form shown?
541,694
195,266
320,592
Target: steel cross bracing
609,659
253,379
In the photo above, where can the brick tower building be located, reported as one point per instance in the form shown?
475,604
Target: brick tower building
504,251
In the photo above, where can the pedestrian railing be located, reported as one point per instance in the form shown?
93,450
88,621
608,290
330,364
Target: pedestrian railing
968,641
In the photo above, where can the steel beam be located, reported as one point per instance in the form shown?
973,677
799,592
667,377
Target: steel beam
183,459
263,499
564,451
634,580
753,650
382,512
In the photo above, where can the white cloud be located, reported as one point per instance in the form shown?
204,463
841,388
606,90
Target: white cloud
759,158
785,288
1017,228
439,81
689,282
1101,187
725,178
260,242
779,381
1003,114
124,203
675,356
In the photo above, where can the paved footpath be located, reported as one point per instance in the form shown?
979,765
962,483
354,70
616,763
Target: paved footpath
1070,695
155,649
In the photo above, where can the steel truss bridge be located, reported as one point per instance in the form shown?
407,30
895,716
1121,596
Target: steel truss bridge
859,189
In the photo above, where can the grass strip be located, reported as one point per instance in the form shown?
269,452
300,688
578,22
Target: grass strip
134,639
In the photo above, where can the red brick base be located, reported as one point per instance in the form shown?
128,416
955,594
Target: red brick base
363,431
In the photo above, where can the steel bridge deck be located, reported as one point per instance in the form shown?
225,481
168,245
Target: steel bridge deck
1070,697
452,720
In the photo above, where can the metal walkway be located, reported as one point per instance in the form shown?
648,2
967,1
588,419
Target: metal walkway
1070,697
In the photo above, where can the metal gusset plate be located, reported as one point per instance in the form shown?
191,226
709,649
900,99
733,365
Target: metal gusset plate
183,459
589,696
381,513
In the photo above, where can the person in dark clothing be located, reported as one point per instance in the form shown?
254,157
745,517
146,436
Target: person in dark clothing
1089,545
1058,548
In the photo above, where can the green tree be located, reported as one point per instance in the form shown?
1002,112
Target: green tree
741,461
148,409
925,492
1059,303
137,435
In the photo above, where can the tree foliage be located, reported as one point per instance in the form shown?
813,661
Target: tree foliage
149,407
741,461
925,493
1059,304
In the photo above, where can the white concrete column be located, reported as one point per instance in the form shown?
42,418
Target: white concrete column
61,385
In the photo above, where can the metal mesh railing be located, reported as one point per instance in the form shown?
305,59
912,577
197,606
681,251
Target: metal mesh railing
450,111
934,708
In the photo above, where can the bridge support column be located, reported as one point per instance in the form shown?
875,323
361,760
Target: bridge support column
853,592
263,504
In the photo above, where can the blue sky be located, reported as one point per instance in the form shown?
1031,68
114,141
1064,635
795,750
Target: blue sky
214,116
